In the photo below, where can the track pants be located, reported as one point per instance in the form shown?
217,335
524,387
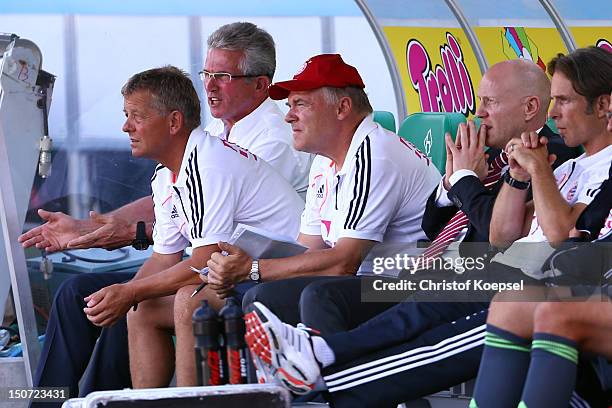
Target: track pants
70,340
438,358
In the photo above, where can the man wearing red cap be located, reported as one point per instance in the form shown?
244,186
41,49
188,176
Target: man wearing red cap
366,194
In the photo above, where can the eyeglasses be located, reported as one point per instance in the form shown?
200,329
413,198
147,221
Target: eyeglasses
223,77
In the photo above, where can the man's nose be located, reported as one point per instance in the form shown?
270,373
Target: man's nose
481,112
210,84
554,111
290,117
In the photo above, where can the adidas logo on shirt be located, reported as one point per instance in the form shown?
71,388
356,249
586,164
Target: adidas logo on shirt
320,191
174,213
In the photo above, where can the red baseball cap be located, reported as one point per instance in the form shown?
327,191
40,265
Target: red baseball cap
319,71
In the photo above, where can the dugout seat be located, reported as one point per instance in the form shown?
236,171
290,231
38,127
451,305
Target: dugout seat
426,131
385,119
551,124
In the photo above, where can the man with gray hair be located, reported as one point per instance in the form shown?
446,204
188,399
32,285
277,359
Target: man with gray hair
239,68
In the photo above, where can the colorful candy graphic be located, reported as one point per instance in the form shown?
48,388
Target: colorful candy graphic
516,43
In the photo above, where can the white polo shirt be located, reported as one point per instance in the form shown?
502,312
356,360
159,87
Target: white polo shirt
379,194
218,186
578,181
265,133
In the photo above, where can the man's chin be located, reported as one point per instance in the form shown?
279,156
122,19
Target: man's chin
136,153
571,141
299,146
216,112
493,142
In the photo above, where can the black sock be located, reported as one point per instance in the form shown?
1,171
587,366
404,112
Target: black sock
552,372
503,367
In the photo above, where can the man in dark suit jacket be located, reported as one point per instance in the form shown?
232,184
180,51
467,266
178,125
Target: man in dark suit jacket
514,97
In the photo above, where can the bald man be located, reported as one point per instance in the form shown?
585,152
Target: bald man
514,98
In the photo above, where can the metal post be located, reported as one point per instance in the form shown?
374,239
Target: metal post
400,100
10,217
566,34
328,36
78,182
196,60
15,257
470,34
23,85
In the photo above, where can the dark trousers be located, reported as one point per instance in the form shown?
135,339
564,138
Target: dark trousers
329,304
401,324
70,340
379,347
434,360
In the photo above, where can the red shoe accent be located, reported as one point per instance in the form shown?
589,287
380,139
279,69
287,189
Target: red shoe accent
257,339
294,380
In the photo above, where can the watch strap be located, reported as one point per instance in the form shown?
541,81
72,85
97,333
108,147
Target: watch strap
520,185
141,242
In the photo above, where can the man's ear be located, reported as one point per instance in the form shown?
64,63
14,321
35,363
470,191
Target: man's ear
532,107
344,107
262,83
601,104
176,122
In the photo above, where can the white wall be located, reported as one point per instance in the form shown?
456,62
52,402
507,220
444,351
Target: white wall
111,48
93,55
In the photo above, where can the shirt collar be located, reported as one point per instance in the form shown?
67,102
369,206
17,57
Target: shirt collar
364,128
245,125
253,120
216,128
586,161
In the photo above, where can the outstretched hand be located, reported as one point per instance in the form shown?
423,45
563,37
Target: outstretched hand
55,234
112,232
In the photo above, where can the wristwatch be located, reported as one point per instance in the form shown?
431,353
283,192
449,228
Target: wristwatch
520,185
141,242
254,273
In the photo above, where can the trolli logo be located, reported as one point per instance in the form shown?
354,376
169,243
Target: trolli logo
446,88
605,44
427,142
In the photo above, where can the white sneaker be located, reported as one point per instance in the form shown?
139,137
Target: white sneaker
264,372
283,347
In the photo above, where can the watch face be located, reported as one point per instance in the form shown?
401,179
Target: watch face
254,276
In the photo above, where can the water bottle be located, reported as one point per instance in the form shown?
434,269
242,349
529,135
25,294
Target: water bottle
211,365
237,350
